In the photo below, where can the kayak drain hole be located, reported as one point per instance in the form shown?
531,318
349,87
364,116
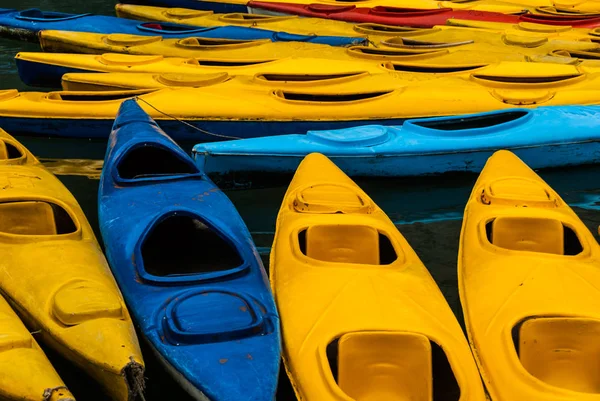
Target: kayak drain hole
533,235
560,351
368,365
152,161
475,122
347,244
35,218
183,245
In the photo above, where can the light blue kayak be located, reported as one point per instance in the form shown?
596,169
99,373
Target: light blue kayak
543,137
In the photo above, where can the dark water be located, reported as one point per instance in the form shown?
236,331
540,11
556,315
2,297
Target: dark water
427,211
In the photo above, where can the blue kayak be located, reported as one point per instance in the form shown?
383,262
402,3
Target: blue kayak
26,24
550,136
187,266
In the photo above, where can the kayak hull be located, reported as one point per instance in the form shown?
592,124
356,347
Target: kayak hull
528,278
27,25
543,137
348,274
51,257
205,305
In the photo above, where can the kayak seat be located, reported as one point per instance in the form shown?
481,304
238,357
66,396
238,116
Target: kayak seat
562,352
385,366
27,218
343,244
528,234
80,301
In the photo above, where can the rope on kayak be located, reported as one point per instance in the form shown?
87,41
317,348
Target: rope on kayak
186,123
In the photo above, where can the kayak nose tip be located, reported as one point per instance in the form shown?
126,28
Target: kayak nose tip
130,112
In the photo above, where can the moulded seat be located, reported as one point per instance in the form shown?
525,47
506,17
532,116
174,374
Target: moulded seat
385,366
27,218
562,351
343,244
528,234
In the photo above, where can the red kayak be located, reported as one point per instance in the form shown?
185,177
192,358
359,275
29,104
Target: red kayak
383,15
417,17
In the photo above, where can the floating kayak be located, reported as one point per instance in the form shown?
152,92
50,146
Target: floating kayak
47,69
27,24
377,326
25,372
300,73
240,6
187,266
294,24
291,104
483,46
544,137
528,278
55,276
291,23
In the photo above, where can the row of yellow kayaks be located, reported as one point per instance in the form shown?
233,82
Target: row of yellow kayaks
56,278
352,95
442,42
377,326
310,26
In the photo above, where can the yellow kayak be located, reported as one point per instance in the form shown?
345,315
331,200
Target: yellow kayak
528,281
283,101
480,44
25,372
362,319
282,23
54,274
351,78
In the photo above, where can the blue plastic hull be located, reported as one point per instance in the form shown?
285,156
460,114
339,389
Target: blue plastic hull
27,24
100,128
43,75
204,306
543,137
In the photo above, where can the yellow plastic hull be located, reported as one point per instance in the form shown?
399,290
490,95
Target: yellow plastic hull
528,279
470,45
25,372
54,274
359,96
341,272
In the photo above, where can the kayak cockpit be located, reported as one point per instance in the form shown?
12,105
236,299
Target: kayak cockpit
533,234
151,161
36,218
181,246
389,365
33,14
561,351
478,124
342,243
